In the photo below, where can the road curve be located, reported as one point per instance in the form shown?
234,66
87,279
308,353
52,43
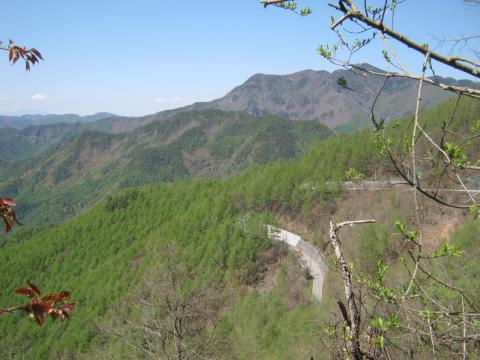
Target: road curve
309,257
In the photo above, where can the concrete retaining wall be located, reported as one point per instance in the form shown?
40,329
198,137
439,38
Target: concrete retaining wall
309,257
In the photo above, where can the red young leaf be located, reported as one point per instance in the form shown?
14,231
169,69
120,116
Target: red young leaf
8,222
34,287
16,56
36,52
7,202
40,309
13,215
62,313
8,214
62,296
41,303
26,291
50,297
69,307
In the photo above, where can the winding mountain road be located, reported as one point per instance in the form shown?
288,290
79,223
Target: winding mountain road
381,185
310,257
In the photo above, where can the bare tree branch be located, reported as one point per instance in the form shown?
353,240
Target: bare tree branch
353,341
352,12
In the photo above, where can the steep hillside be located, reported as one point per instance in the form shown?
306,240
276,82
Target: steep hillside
104,252
316,95
261,305
191,144
32,140
309,94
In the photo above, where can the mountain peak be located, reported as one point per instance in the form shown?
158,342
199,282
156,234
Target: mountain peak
310,94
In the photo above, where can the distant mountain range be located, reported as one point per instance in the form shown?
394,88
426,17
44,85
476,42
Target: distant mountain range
310,94
21,122
32,140
304,95
75,160
79,170
316,95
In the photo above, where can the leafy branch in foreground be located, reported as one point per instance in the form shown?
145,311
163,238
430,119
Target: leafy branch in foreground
53,304
39,307
7,213
30,56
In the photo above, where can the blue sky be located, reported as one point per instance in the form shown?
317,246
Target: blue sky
140,57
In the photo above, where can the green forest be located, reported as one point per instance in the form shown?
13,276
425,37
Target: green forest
82,169
327,206
217,227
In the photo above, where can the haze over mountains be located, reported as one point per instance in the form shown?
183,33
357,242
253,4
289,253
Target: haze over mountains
20,122
303,95
76,159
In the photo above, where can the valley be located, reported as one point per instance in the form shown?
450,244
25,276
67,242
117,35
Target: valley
104,250
86,167
266,180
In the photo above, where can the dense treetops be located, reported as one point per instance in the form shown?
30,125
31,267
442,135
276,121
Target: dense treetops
80,169
217,227
101,254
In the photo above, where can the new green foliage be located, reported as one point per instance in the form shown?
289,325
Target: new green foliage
216,225
264,327
75,174
102,254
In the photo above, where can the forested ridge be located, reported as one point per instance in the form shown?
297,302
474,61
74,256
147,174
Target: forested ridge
217,226
103,252
82,168
311,215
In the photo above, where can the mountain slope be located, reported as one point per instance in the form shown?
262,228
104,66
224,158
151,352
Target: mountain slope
103,254
32,140
191,144
29,135
310,94
316,95
303,95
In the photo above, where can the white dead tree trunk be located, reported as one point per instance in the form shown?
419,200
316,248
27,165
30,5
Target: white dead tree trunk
353,321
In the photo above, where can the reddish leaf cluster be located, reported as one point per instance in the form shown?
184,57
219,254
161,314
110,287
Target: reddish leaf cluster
49,304
8,214
15,52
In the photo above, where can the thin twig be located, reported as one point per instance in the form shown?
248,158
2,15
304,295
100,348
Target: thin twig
354,13
415,179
